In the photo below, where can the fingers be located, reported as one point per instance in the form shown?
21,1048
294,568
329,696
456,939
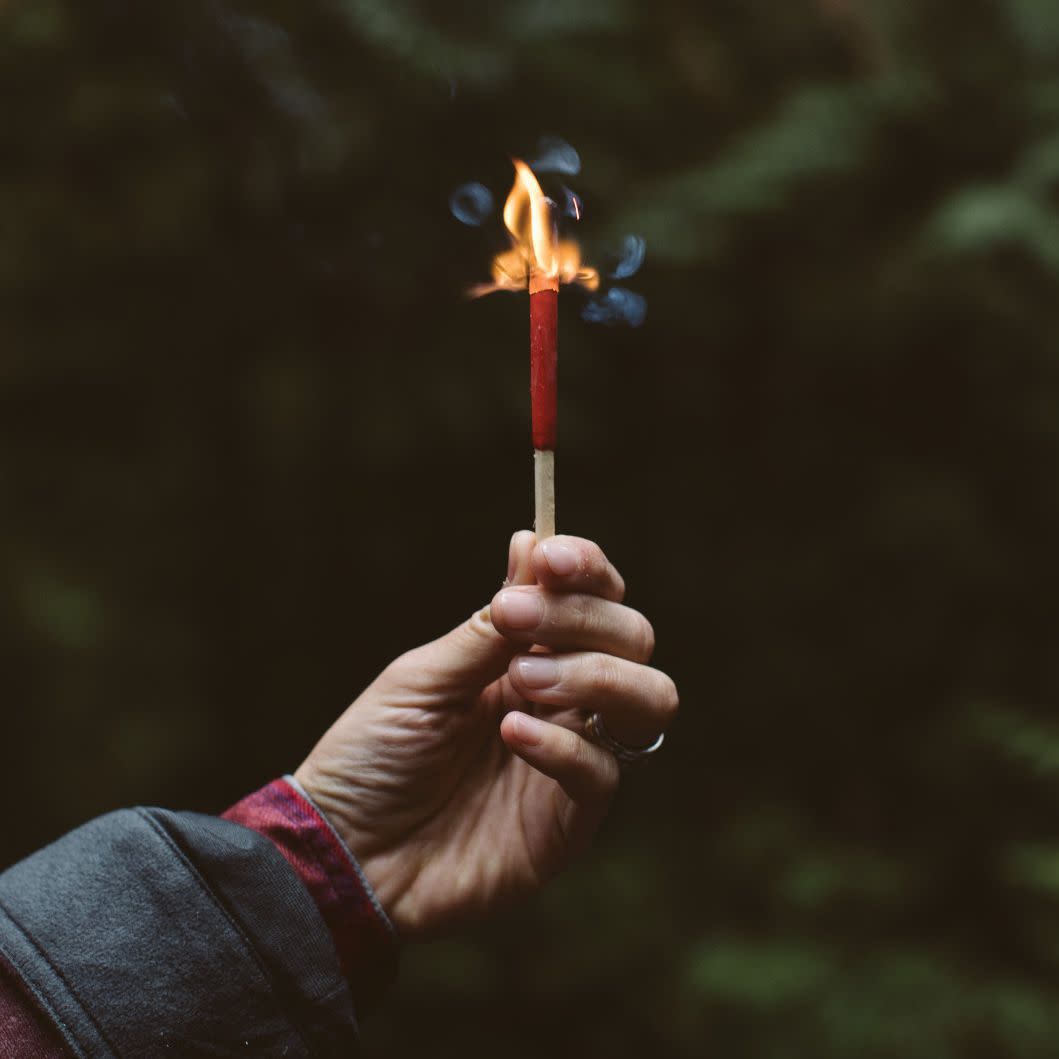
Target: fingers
529,615
586,772
637,703
572,564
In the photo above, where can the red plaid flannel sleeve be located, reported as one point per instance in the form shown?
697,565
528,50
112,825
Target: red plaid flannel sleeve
363,935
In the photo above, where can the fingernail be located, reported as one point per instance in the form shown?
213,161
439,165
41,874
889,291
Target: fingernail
538,671
521,610
560,557
528,729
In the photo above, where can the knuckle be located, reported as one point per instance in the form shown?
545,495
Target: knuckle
579,612
601,621
603,574
606,676
595,562
471,638
644,637
480,625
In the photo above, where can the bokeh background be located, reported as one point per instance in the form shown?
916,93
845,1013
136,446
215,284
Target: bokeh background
254,443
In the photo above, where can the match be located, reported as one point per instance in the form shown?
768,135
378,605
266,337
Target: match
539,261
544,379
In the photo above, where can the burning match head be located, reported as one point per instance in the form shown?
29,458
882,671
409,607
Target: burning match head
536,250
539,281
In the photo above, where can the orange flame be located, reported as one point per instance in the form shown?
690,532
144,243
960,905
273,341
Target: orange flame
536,250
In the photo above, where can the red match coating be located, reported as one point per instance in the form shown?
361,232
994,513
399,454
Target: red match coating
544,366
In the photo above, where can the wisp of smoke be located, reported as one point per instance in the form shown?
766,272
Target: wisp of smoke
616,306
633,251
471,204
555,155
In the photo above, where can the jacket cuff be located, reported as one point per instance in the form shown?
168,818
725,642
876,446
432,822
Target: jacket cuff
364,937
147,932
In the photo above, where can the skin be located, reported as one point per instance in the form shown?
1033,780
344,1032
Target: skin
457,780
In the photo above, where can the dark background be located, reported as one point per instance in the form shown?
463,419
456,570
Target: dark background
254,443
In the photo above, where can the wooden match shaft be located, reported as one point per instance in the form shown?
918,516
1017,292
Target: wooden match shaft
544,379
544,492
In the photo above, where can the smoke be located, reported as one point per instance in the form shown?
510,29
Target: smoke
630,261
555,155
616,306
471,204
619,306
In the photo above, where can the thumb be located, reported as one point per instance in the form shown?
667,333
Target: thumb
474,654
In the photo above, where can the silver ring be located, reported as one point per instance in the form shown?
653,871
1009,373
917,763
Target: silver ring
597,732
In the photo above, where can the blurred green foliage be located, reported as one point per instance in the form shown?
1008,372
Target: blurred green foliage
255,443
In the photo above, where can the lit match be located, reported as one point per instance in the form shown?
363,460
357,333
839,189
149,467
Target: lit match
539,261
544,395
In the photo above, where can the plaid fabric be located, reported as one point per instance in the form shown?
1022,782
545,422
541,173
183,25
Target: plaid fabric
364,937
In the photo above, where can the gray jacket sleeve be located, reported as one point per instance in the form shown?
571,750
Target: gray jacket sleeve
150,933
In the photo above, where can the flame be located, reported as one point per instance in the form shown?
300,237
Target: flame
536,250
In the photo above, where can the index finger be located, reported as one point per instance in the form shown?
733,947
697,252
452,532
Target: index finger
573,564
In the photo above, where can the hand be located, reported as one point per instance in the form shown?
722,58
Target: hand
460,778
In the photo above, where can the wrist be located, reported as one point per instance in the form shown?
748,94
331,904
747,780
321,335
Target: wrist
380,869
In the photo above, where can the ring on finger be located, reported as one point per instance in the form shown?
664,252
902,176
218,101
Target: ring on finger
596,730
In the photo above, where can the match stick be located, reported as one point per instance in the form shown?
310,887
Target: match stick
544,482
544,371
